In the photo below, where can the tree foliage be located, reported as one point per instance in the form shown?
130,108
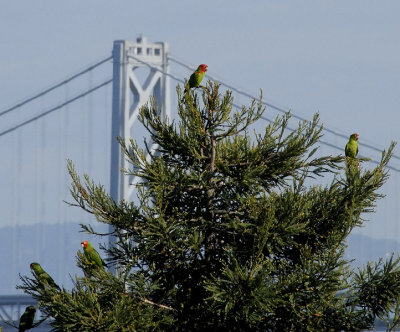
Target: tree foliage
231,231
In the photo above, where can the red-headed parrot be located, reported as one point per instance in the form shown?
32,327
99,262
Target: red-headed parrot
352,146
196,78
42,276
27,318
92,254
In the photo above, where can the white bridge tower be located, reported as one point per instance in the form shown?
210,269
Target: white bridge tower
129,95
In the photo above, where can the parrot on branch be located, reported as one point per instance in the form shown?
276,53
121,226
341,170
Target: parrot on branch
42,276
352,146
27,318
196,78
351,152
92,254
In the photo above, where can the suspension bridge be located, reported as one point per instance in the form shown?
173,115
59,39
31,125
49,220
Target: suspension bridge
78,118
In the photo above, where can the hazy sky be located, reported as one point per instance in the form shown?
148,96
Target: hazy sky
340,58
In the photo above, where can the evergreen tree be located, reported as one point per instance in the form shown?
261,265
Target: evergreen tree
231,232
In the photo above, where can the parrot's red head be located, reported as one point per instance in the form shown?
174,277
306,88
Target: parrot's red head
355,136
84,244
203,67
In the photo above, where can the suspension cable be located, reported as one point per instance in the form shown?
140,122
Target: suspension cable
55,86
56,107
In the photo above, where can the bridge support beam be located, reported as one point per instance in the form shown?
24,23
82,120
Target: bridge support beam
129,95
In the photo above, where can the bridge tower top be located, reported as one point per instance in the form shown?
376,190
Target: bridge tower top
152,53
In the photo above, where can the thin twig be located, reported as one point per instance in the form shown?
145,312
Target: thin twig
158,305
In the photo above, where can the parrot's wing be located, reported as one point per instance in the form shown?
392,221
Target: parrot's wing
351,150
94,255
193,80
347,150
49,279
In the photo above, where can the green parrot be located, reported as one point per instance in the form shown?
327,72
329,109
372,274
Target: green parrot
42,276
352,146
92,254
27,318
196,78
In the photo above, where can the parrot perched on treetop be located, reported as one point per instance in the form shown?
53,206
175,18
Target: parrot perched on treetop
42,276
92,254
196,78
352,146
27,318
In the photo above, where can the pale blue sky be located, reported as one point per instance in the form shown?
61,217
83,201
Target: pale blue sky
340,58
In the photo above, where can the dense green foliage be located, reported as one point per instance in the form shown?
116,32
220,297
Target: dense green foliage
231,232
